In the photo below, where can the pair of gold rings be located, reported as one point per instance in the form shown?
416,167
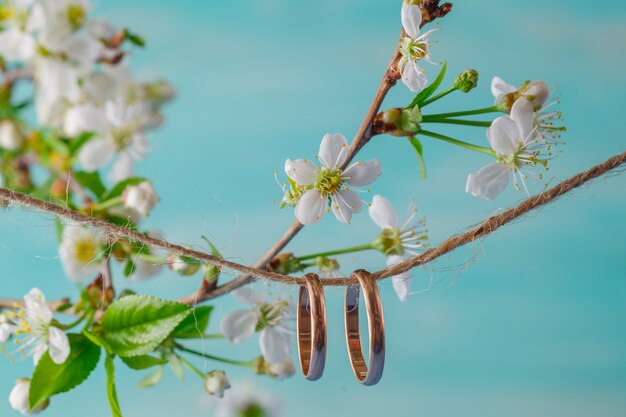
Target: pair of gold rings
311,325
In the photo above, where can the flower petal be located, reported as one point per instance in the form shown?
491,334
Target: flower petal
248,295
344,203
382,213
239,325
411,20
401,282
38,351
500,88
362,173
488,182
36,307
275,344
413,77
84,118
333,150
95,154
504,136
58,345
311,207
123,167
523,115
302,171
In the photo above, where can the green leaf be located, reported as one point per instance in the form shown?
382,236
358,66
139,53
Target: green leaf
97,340
50,378
134,38
195,324
417,145
124,222
91,181
142,362
119,188
109,366
129,268
423,95
136,324
189,260
78,142
152,379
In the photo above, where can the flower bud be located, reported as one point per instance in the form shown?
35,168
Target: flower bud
142,198
467,80
285,264
184,265
216,382
398,121
159,92
18,398
210,272
10,136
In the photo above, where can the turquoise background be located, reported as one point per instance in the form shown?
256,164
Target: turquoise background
529,321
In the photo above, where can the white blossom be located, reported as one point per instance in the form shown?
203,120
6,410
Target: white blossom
216,382
267,318
413,48
518,151
246,401
118,130
141,198
537,92
330,185
397,240
80,252
34,324
281,370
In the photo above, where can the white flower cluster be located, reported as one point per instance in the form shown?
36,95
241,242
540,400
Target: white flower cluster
80,84
523,141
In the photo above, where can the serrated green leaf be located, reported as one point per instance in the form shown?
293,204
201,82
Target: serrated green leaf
195,324
50,379
91,181
97,340
136,324
419,150
152,379
109,366
423,95
142,362
119,188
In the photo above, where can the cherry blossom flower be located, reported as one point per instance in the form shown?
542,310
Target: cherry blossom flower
247,401
80,251
10,136
118,130
397,240
517,149
267,318
413,47
329,185
34,323
537,92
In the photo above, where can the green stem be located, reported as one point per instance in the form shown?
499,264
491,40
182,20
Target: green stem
108,203
438,96
460,143
191,367
429,119
336,252
492,109
70,325
247,364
